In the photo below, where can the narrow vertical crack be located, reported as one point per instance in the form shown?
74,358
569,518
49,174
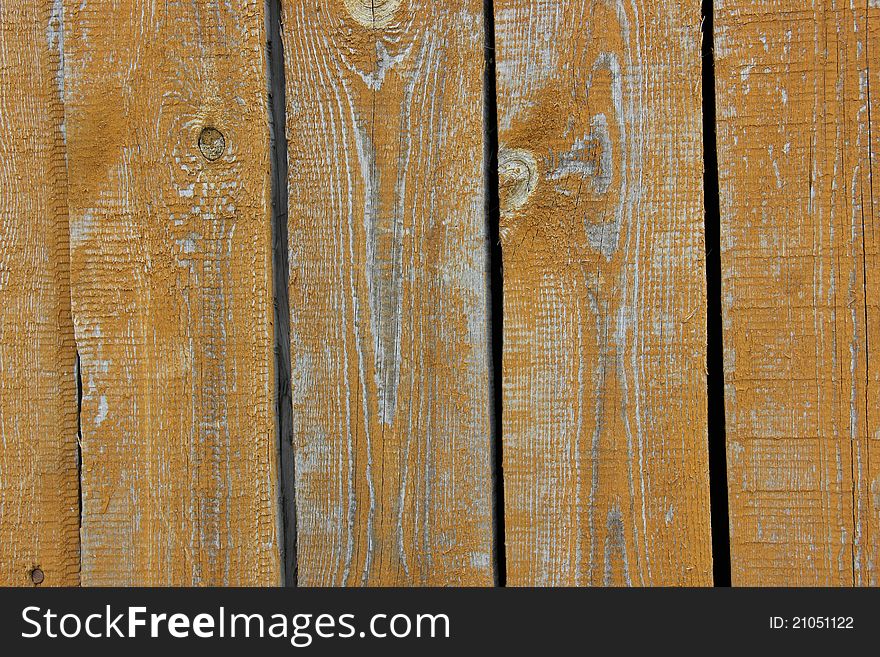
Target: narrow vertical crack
715,348
280,278
496,291
77,368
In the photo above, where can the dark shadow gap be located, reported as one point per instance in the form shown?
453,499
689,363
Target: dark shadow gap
280,278
715,347
496,291
79,468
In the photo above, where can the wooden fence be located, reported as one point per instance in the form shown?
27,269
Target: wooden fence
319,292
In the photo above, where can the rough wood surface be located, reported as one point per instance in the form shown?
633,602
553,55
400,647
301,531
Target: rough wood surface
605,446
388,291
801,287
38,469
171,278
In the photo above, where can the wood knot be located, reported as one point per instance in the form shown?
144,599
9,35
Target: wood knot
372,13
211,143
37,576
517,178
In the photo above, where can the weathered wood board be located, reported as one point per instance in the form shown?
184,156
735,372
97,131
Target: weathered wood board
39,515
135,228
172,291
800,288
605,420
388,292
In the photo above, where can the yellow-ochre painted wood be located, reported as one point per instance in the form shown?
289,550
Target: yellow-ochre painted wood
604,399
388,291
38,454
172,290
797,89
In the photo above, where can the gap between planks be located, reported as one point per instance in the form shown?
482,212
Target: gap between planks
277,95
495,280
718,499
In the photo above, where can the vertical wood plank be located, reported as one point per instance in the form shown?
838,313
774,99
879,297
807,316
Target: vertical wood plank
795,152
39,515
605,445
388,291
867,561
171,277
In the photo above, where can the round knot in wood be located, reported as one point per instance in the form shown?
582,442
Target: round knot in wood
211,143
517,178
372,13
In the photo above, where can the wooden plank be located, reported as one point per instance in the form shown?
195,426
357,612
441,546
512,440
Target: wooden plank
388,292
795,151
171,277
39,515
866,564
605,445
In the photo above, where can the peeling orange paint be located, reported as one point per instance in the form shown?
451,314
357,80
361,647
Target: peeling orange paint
39,532
389,336
796,154
172,292
605,446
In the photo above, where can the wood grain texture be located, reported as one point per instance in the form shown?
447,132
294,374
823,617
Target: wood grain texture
388,291
39,516
796,158
171,278
605,446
